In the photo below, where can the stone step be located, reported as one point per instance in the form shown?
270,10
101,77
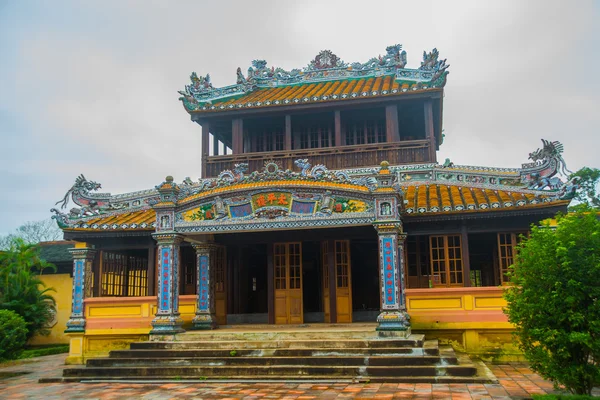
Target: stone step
275,361
280,344
272,370
308,334
282,379
288,352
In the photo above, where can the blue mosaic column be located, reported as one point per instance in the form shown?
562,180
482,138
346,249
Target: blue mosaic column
205,306
167,320
393,316
82,286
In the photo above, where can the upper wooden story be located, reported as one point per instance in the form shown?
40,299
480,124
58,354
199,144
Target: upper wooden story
331,113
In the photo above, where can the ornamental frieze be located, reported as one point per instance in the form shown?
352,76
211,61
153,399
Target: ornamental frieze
271,204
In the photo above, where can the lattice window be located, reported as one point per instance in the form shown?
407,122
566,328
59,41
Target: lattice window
123,275
446,260
279,139
295,260
304,142
137,282
342,261
371,129
380,132
279,263
219,259
507,243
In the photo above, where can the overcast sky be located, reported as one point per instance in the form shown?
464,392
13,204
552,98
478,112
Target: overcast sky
91,87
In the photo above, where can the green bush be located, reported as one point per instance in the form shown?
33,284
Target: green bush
555,304
13,334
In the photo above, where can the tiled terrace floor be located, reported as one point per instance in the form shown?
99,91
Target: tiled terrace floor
516,381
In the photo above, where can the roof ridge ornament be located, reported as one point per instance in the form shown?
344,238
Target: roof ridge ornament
326,66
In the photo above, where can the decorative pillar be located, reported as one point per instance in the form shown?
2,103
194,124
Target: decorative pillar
167,320
205,302
393,319
83,257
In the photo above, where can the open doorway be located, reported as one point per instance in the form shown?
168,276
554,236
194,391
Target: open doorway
365,280
311,282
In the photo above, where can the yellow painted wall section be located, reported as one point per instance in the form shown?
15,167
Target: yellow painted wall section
63,284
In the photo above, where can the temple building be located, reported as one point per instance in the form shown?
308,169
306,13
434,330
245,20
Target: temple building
320,200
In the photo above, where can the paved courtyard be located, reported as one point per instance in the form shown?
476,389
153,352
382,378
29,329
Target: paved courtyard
516,381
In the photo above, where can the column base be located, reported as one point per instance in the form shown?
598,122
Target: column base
166,325
75,325
397,321
204,322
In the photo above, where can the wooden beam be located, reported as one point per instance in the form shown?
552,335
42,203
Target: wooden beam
204,146
464,242
338,128
270,284
429,132
391,124
288,132
332,282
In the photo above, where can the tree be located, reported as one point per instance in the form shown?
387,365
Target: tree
22,290
33,232
555,300
587,195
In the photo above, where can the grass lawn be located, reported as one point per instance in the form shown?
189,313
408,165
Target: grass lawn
44,350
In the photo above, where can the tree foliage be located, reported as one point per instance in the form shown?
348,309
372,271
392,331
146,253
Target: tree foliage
555,301
33,232
22,290
587,194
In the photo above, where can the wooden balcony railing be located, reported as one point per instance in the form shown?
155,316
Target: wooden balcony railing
363,155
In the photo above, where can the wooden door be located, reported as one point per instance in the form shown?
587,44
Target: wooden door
219,261
287,265
342,279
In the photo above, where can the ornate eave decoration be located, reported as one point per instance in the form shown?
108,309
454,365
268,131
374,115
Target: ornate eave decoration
316,196
326,66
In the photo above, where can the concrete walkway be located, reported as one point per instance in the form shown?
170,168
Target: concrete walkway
516,382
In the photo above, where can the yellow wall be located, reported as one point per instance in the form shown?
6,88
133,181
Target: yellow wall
63,284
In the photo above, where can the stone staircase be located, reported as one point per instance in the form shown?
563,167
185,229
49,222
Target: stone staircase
351,353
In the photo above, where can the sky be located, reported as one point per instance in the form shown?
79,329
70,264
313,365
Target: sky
91,87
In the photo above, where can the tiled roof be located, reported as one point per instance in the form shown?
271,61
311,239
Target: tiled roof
57,251
338,90
439,198
131,221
